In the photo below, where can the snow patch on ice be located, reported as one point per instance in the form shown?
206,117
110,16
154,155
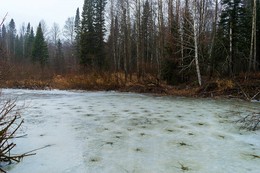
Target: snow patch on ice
125,132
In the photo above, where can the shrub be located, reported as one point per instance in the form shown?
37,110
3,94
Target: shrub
10,122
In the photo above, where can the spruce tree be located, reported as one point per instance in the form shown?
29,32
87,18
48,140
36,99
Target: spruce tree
11,36
40,49
59,57
30,43
234,31
77,33
87,35
92,33
3,43
99,23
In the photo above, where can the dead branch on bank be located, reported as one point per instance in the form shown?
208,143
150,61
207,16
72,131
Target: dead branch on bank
10,122
250,122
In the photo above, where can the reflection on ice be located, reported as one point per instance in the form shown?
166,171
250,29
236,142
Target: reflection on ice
124,132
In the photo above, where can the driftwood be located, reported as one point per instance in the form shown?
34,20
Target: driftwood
250,122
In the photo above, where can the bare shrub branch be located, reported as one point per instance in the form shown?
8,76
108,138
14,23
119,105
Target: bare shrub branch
250,122
10,122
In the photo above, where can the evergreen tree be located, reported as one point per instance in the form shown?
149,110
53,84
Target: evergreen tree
40,49
99,29
92,33
11,37
59,58
258,34
19,47
29,43
77,33
170,65
3,32
87,35
235,34
146,28
3,42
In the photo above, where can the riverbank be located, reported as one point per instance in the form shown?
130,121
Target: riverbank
244,86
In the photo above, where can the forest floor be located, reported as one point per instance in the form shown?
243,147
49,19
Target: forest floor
243,86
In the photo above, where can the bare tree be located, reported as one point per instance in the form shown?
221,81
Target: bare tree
22,35
160,55
10,123
69,30
138,37
196,35
55,33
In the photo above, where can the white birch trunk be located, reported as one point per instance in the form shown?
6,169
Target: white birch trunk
196,42
253,39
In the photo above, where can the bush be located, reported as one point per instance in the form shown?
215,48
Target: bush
10,122
250,122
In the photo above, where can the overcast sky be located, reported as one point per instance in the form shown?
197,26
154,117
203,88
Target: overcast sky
34,11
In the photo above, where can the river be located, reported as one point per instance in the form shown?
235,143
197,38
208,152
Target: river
111,132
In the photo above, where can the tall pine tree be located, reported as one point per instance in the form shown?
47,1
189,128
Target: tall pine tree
92,33
87,34
11,37
29,39
235,34
77,33
99,28
40,49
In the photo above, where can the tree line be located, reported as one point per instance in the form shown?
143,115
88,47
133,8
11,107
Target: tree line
174,40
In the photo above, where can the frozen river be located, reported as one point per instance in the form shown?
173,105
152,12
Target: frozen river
110,132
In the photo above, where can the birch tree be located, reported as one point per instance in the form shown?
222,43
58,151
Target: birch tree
195,34
69,30
252,55
55,33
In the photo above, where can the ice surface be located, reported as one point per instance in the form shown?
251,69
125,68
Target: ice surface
110,132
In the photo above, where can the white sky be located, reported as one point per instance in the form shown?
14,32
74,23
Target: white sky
33,11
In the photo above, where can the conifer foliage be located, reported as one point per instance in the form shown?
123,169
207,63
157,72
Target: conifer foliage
173,40
92,33
40,49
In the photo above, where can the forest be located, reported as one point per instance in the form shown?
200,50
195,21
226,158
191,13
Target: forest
199,48
115,43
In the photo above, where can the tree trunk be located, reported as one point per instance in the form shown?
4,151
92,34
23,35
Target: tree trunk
138,34
214,26
254,64
161,38
230,57
252,56
196,42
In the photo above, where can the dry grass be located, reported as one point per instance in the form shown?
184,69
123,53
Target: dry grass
32,77
225,84
90,81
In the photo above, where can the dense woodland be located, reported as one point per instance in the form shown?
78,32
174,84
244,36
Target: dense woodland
171,40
